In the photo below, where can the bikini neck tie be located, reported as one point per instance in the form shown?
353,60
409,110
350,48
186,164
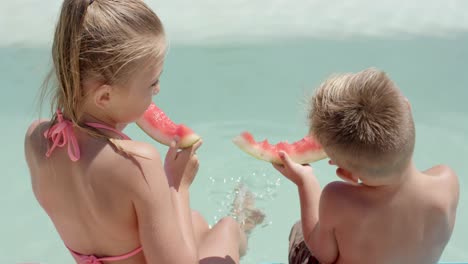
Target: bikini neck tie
61,134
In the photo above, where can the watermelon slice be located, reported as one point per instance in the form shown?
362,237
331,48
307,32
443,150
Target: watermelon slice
303,151
160,127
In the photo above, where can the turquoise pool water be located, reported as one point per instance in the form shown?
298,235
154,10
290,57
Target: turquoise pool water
261,83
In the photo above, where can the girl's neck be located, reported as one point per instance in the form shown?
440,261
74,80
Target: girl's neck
101,119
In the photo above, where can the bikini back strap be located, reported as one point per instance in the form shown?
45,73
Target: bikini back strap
101,126
91,259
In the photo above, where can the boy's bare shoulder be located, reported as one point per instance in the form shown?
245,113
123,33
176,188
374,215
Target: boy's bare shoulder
339,189
346,198
339,193
340,199
445,179
441,170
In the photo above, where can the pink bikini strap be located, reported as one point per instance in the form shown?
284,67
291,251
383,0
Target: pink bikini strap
62,134
101,126
91,259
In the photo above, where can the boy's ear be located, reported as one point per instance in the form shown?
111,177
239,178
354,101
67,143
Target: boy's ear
347,176
408,103
102,96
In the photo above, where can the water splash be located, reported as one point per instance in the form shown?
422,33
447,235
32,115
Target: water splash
263,185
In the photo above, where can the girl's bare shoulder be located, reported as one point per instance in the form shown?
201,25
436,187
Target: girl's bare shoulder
131,164
37,127
34,139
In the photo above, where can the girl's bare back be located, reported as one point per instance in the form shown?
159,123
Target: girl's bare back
89,201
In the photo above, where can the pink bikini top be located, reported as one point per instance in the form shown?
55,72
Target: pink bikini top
61,134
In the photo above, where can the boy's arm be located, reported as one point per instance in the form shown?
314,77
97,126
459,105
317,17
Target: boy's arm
316,225
321,237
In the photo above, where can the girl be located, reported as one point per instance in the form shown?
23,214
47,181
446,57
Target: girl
110,198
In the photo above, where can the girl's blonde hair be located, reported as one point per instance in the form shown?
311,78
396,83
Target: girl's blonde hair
103,40
365,122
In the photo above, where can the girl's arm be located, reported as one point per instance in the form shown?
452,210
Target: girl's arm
164,216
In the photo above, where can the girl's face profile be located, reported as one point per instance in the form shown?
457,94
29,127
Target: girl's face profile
132,99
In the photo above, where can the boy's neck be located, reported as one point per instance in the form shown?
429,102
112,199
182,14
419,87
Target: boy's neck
393,181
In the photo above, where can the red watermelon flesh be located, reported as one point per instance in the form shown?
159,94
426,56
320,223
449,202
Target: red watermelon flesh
160,127
303,151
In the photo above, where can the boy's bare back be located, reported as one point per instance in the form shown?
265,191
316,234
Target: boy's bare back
410,222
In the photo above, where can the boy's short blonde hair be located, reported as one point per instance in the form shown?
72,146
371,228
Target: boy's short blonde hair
364,123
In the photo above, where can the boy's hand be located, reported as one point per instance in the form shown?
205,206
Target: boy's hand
181,166
295,172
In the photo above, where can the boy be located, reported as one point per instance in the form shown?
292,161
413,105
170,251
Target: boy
386,211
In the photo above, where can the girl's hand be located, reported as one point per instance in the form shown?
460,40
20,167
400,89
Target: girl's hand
181,166
295,172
